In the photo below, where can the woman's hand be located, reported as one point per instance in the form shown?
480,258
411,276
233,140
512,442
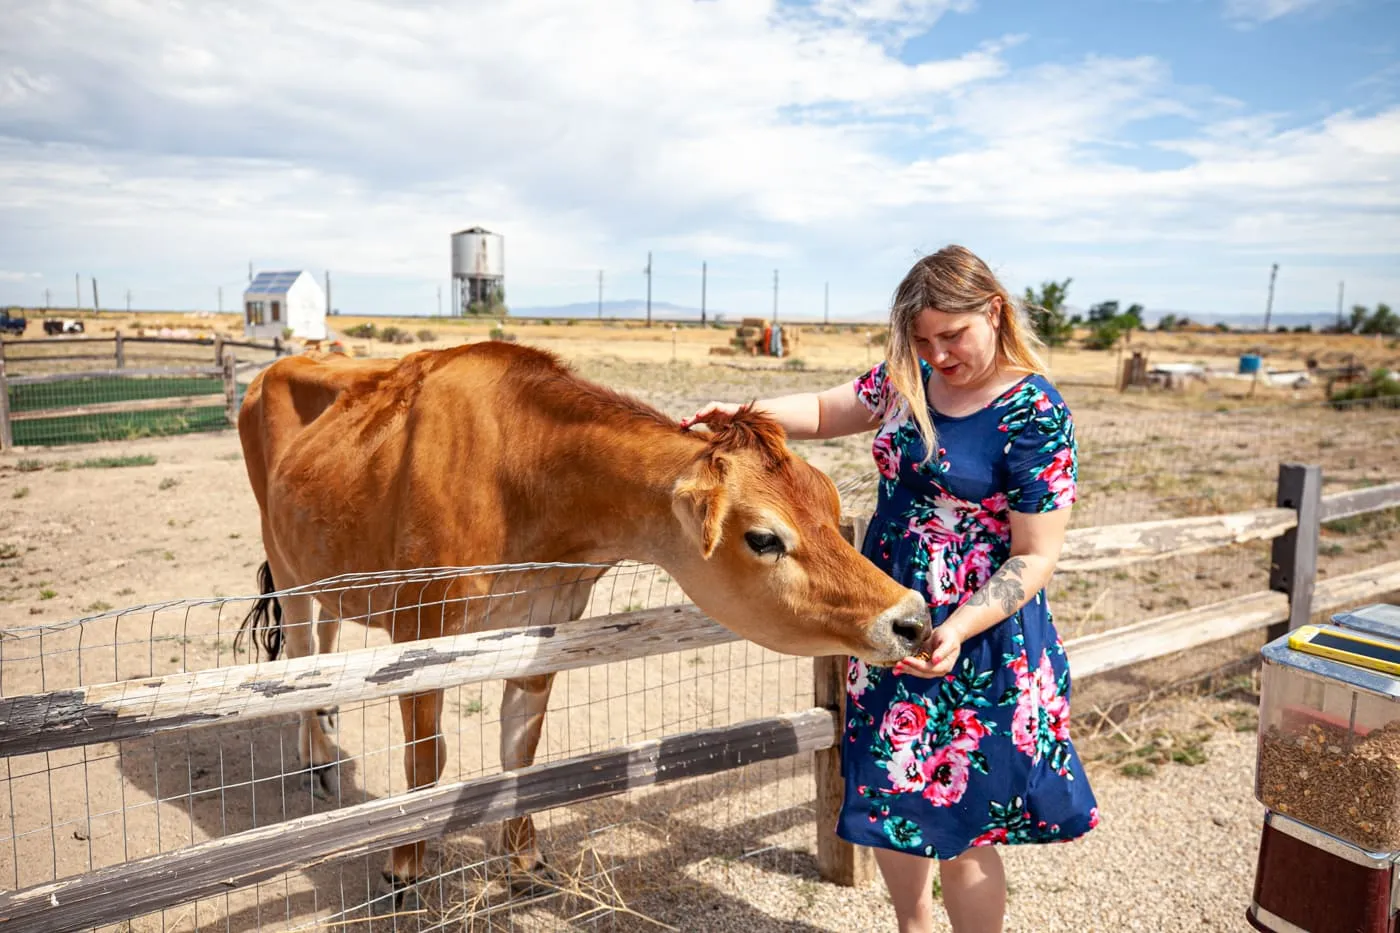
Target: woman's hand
940,657
728,408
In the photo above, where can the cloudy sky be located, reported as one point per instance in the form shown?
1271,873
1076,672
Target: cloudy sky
1159,151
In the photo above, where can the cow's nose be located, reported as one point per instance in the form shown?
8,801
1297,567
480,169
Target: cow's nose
904,628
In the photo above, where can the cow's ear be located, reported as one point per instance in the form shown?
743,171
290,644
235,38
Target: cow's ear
701,499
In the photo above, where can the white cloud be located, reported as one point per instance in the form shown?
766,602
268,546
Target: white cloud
183,139
1263,11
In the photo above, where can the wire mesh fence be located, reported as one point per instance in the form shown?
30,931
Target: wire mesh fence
74,810
74,390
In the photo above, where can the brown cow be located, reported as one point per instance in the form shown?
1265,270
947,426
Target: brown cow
493,453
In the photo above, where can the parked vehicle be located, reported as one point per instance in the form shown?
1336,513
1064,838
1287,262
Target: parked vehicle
12,322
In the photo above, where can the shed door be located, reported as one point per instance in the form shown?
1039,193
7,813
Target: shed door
276,311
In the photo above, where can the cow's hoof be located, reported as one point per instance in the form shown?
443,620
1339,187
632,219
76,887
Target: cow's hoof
323,782
401,897
541,879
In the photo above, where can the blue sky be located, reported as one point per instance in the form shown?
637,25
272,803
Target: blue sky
1156,151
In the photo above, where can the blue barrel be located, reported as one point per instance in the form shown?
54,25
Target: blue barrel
1249,362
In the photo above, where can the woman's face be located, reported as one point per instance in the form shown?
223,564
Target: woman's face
961,347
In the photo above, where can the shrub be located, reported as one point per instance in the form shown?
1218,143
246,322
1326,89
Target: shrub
426,335
365,331
393,334
1381,390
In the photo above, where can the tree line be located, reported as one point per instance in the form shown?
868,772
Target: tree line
1109,322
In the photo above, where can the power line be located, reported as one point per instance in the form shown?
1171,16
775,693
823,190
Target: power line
704,269
648,272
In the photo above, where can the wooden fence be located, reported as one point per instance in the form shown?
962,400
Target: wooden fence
179,701
225,368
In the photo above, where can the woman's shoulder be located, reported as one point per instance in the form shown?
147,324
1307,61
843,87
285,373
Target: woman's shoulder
1033,390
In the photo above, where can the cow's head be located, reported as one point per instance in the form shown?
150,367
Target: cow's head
764,555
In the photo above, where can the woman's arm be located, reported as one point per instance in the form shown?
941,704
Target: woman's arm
1036,540
833,412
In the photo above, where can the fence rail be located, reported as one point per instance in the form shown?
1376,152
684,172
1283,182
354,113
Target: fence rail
90,383
61,719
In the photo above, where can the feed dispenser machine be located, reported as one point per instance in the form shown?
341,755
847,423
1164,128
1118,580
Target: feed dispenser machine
1328,771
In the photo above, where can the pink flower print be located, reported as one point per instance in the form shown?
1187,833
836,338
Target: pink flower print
906,770
886,455
967,731
1042,713
1093,817
945,775
1042,403
857,678
974,570
904,723
991,837
1058,477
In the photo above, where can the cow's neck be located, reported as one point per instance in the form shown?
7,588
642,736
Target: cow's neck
615,502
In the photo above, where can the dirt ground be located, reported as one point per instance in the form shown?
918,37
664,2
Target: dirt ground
170,526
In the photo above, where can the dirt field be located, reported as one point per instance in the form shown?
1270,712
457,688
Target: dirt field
92,529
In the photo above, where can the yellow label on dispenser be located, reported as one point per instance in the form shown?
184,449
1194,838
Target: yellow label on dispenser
1348,647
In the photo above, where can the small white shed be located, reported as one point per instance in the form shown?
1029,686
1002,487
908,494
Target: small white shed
277,300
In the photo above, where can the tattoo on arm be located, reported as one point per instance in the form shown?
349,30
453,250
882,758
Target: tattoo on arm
1005,586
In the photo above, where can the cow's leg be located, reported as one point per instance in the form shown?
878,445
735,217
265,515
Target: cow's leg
424,757
327,637
523,704
317,752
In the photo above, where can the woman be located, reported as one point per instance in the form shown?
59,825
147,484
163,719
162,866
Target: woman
954,751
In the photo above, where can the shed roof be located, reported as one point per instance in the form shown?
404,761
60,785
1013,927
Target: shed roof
272,283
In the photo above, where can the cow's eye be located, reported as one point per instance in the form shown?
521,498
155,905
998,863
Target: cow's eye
763,542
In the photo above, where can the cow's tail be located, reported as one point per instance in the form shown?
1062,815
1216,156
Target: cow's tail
264,619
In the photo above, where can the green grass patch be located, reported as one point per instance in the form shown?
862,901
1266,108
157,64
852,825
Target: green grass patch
110,463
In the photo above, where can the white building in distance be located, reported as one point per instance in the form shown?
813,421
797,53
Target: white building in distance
277,300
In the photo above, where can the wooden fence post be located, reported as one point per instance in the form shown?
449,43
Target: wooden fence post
6,440
120,351
230,387
1293,566
218,349
838,861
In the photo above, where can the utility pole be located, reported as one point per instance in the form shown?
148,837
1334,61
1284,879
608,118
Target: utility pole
600,294
775,296
47,301
1341,287
826,304
648,272
250,271
95,305
704,274
77,291
221,299
128,301
439,301
328,293
1269,308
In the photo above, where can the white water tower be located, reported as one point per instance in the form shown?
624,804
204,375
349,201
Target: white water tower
478,268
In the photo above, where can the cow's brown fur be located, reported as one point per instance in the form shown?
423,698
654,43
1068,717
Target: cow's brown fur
493,453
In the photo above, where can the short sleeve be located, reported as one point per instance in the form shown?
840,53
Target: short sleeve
873,390
1042,456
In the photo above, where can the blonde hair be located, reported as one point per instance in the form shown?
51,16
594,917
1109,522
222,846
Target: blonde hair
956,281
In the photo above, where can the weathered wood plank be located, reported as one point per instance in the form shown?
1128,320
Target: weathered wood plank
1104,546
1354,589
136,404
195,372
838,861
126,709
1293,557
1360,501
1154,638
209,868
1164,635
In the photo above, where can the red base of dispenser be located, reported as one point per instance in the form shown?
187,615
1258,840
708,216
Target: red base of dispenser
1309,882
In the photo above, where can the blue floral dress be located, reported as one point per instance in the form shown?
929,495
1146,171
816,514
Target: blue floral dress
983,755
